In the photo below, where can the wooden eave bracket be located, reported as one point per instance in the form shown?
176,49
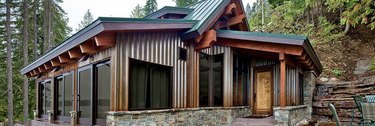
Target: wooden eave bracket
64,58
105,40
229,9
88,47
55,62
75,53
232,21
208,39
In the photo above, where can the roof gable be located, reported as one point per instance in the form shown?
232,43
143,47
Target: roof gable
168,10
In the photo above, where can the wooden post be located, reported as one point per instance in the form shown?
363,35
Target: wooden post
282,79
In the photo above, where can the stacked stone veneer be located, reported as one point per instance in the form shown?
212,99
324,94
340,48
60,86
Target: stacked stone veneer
291,115
187,116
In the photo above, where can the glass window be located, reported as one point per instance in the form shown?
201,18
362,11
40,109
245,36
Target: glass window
41,98
60,97
47,96
210,80
149,86
301,100
241,80
103,88
84,93
68,94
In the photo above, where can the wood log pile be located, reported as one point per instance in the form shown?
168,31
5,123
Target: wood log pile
340,94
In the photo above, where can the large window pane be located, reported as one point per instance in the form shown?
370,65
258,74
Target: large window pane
149,86
68,94
60,97
204,68
47,96
210,80
103,89
138,85
218,80
85,93
41,98
241,80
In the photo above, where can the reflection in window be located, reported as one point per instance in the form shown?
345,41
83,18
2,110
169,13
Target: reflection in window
47,96
103,88
68,94
60,97
84,93
210,80
241,80
150,86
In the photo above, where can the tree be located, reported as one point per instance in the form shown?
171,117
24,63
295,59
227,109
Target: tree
9,63
137,12
184,3
25,61
87,19
248,10
35,23
47,25
151,6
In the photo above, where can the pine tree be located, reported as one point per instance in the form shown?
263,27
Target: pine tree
9,63
137,12
248,10
184,3
87,19
25,61
151,6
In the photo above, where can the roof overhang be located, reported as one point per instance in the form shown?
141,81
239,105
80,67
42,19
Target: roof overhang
280,39
103,24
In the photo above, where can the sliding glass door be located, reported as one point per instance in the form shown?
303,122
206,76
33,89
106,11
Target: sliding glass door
64,94
93,93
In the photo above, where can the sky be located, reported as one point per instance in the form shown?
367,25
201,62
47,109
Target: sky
76,9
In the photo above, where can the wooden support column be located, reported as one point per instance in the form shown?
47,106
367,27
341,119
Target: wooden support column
282,79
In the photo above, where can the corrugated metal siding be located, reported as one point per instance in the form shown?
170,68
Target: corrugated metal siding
160,48
214,50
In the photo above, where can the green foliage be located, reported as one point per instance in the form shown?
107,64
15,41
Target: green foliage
184,3
87,19
337,72
372,66
151,6
137,12
59,33
355,12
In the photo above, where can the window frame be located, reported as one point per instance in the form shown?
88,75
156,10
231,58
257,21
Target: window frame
170,87
65,118
96,120
93,95
211,83
41,100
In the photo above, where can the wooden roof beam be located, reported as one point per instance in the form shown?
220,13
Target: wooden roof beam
105,39
208,39
88,47
232,21
262,46
75,53
55,62
36,72
42,69
48,66
230,8
64,58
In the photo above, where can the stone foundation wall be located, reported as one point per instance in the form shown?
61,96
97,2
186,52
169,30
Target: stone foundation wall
291,115
187,116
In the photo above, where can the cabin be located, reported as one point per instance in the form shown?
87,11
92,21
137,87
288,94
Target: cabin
198,65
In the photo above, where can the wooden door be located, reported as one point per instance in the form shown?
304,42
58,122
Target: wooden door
263,92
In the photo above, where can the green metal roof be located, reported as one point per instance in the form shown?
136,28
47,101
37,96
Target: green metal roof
168,9
203,11
124,20
264,34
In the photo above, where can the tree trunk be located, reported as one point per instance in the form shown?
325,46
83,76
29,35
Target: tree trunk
9,63
347,27
25,61
36,4
46,24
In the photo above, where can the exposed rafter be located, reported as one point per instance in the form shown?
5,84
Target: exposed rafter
230,9
75,53
208,39
48,66
88,47
64,58
105,40
55,62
